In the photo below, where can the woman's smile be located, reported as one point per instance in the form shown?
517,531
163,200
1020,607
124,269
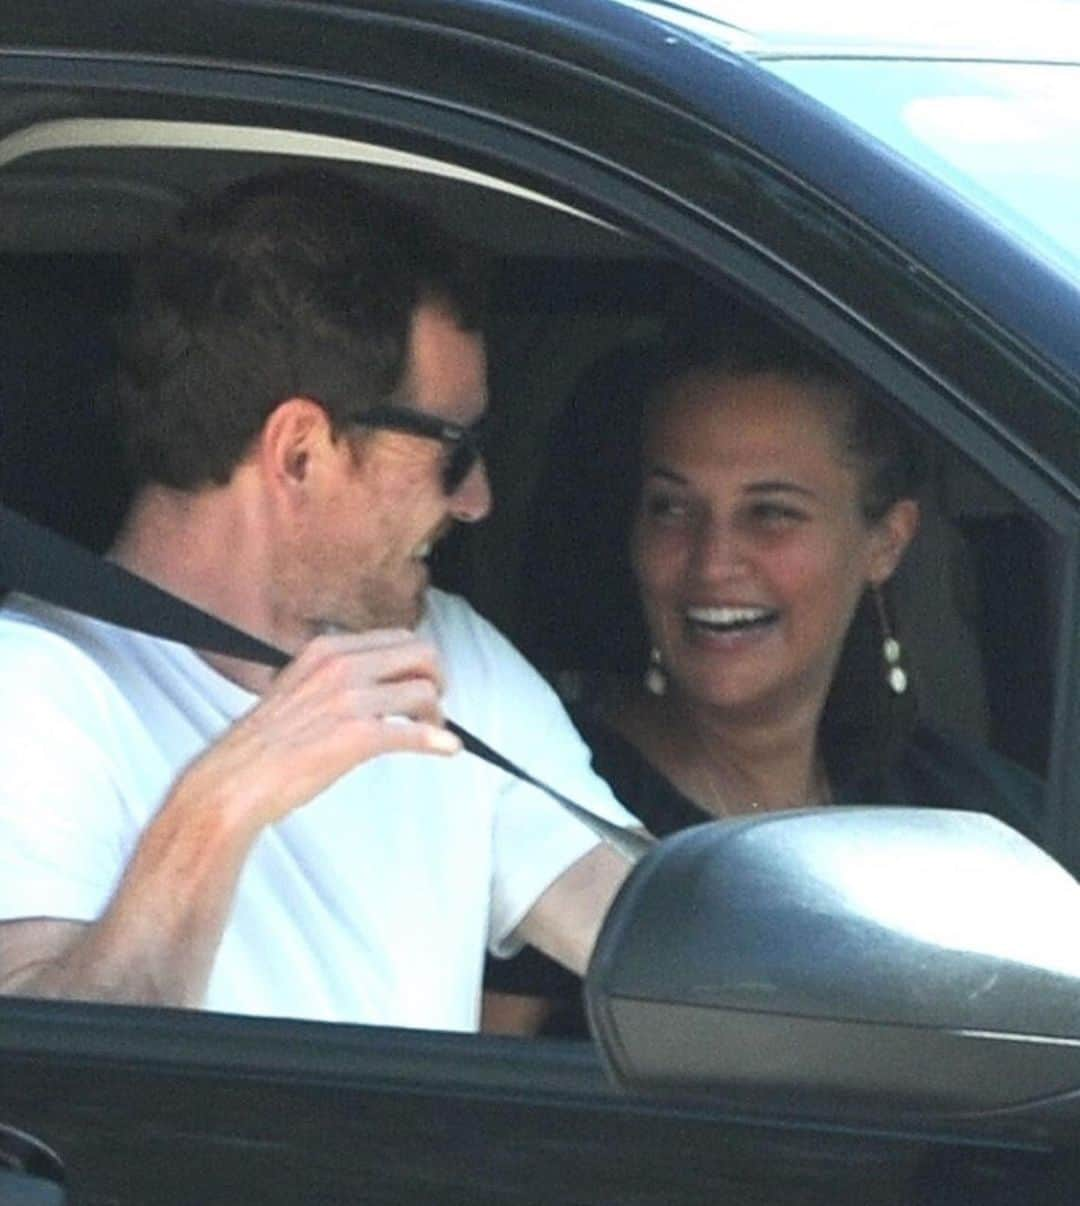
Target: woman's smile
728,620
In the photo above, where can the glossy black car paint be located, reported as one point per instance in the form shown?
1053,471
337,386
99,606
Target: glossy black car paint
188,1108
737,175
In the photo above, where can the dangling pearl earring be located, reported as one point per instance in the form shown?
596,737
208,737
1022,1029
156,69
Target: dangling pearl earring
895,674
655,675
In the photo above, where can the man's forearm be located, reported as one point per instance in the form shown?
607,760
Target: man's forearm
566,920
156,941
324,714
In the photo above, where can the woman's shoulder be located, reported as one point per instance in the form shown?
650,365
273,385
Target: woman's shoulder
638,785
948,770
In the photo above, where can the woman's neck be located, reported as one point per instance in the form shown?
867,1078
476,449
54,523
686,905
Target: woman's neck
726,767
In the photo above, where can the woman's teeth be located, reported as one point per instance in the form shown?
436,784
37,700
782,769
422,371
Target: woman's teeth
729,619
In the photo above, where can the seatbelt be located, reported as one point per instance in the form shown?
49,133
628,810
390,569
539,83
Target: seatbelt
39,562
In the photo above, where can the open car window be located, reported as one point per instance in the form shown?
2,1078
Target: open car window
978,594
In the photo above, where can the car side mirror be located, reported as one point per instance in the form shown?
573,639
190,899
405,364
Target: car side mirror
898,960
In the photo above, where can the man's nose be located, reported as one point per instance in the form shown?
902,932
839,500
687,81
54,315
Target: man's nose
471,501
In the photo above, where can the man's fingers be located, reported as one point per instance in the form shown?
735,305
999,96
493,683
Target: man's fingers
346,699
415,736
406,715
382,655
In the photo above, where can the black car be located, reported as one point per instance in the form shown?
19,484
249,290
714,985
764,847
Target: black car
905,202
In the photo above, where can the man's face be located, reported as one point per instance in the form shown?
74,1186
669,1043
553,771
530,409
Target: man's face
363,558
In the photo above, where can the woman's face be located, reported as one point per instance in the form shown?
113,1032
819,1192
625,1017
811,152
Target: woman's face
750,548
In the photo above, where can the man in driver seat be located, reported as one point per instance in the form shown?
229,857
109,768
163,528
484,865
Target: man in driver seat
300,389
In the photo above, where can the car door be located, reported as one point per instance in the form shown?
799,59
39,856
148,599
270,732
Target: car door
713,173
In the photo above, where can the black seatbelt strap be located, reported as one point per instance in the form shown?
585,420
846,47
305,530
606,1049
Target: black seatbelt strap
38,562
41,563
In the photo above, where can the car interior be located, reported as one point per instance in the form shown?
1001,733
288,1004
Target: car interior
577,304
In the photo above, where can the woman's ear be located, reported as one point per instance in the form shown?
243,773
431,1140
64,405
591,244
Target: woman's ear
892,534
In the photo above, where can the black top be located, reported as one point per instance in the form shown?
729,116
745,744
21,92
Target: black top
934,771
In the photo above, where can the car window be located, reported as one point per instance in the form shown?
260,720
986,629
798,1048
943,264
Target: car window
977,599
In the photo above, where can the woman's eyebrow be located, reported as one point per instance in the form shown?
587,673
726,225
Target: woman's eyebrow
779,487
770,486
668,475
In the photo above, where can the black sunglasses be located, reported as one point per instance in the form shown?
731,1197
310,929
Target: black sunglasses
464,444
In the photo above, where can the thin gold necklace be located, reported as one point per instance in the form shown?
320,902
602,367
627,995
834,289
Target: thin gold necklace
824,794
718,796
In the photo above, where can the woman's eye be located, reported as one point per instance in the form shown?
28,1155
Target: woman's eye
770,514
665,507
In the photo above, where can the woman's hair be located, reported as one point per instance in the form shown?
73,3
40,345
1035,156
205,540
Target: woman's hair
883,447
864,725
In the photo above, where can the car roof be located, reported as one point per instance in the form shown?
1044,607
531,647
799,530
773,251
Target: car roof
1046,30
1043,30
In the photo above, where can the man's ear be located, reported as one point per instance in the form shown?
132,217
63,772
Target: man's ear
296,434
892,534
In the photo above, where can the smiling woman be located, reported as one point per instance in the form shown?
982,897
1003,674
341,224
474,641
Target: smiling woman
756,536
776,499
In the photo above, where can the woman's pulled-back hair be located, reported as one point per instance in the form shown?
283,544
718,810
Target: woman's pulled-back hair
883,447
297,284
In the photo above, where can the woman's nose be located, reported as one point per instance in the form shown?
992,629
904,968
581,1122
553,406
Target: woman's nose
719,550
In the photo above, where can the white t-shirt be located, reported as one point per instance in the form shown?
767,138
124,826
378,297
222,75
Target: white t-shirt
374,902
